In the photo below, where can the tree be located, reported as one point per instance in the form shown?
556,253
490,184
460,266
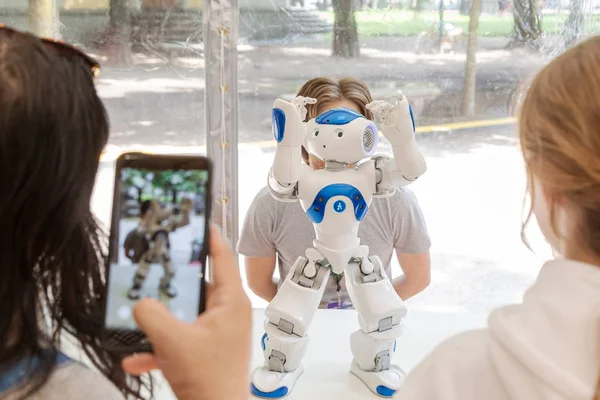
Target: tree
574,26
118,36
417,6
175,182
345,31
527,28
44,18
469,85
138,179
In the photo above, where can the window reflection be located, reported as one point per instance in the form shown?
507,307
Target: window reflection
152,82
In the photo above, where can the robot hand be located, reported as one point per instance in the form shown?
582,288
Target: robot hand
289,128
300,102
397,119
186,204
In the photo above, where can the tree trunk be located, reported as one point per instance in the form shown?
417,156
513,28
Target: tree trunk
120,30
120,14
469,85
574,26
527,28
345,31
44,18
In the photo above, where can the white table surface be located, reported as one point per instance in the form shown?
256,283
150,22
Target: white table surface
327,362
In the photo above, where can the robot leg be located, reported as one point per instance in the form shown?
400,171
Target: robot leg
166,286
381,312
288,317
140,276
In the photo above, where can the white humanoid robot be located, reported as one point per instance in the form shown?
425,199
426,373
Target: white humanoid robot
336,199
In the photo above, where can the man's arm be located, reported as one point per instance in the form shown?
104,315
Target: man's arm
259,272
417,274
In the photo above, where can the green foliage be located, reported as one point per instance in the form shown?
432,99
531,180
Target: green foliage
404,23
164,185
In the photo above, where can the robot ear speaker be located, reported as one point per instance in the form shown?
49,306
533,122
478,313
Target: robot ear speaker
369,139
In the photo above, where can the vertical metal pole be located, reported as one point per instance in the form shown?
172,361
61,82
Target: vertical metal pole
221,104
43,18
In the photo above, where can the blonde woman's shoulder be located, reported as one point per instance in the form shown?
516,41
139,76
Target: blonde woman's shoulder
459,368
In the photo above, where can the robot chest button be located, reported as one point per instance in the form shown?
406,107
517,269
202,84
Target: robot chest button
339,206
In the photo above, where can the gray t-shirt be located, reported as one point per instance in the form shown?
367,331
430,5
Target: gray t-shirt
277,228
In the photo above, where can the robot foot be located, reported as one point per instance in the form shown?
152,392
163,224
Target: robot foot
273,385
383,383
168,290
134,293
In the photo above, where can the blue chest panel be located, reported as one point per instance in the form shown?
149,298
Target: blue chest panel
316,212
337,116
278,124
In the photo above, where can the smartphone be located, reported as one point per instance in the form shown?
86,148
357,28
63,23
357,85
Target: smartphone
158,242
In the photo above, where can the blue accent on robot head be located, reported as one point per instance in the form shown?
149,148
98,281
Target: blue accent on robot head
277,394
412,117
278,124
385,391
316,212
394,345
338,116
263,342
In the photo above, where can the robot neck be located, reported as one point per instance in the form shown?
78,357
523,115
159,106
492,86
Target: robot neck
332,165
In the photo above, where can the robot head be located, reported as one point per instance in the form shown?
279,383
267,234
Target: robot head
341,135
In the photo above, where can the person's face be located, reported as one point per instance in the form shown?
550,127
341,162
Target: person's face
316,162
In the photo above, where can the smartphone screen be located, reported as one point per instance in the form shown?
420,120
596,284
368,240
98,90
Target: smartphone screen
157,241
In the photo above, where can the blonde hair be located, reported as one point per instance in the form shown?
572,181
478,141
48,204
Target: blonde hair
559,131
327,90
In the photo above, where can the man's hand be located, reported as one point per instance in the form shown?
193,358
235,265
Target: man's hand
208,359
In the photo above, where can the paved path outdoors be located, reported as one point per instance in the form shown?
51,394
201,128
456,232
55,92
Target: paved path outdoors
161,102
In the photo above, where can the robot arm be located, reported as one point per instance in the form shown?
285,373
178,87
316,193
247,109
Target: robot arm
183,220
289,129
399,128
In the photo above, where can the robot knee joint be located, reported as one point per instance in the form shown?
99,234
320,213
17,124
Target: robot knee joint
308,274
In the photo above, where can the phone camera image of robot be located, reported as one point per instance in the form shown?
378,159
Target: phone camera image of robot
158,243
336,200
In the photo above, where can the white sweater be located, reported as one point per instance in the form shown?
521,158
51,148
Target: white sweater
547,348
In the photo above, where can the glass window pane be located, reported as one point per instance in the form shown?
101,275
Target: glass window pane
472,194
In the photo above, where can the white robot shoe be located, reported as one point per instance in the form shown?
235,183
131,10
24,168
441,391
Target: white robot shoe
383,383
274,385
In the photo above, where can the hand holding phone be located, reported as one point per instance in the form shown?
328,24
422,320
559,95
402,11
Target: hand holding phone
208,359
158,242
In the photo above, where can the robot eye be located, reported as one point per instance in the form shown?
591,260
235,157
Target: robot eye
340,133
316,133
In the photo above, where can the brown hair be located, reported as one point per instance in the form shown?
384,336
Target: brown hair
327,90
53,127
560,137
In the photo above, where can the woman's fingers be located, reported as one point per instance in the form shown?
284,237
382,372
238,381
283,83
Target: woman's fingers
138,364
